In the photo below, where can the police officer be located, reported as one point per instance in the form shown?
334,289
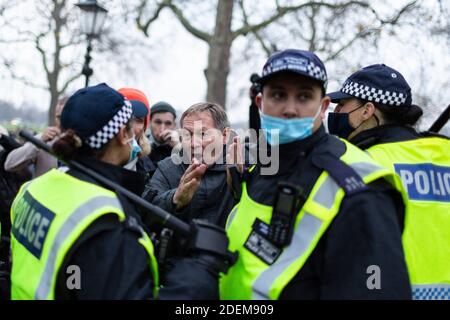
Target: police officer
375,111
327,225
73,238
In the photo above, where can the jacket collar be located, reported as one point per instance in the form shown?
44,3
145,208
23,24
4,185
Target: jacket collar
384,134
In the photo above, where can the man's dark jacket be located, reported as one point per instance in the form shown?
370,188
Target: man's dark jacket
211,202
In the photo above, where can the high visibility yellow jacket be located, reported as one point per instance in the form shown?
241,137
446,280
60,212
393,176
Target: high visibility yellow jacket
424,167
263,270
48,215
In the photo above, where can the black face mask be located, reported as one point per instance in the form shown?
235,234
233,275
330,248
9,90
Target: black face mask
339,124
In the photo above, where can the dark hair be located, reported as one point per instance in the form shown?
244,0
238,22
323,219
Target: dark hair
405,115
70,144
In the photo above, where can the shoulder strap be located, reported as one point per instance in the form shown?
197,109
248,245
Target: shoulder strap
427,134
344,175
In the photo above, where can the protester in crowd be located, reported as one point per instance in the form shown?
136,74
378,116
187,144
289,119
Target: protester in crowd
196,187
162,135
27,154
192,184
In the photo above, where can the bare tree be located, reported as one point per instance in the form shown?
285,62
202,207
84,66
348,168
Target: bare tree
48,31
47,34
229,13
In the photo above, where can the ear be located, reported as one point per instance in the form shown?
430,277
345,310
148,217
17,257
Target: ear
258,100
123,136
325,104
368,110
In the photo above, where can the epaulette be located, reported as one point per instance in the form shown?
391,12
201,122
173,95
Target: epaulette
344,175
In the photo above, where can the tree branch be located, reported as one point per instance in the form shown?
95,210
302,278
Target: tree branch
141,8
72,43
400,13
25,81
38,47
187,25
258,37
312,22
359,35
178,13
68,82
284,10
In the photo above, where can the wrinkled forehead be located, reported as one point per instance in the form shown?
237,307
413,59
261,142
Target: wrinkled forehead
198,121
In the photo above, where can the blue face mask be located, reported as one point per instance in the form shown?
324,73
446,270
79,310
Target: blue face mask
281,131
135,149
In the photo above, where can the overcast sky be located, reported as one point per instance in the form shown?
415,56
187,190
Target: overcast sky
176,61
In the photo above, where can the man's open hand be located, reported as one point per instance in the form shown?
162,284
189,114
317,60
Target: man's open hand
189,183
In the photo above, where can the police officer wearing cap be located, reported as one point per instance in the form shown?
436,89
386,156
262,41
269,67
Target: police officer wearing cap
73,238
375,112
315,229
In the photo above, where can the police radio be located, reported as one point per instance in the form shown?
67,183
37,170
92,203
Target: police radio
288,201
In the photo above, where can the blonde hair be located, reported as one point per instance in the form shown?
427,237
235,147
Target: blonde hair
144,143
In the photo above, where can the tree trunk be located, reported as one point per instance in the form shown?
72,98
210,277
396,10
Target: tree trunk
53,76
219,54
51,110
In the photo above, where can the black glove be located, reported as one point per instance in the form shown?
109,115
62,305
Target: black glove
196,276
208,244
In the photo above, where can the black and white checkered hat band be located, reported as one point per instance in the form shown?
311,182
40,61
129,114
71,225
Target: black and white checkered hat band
299,65
317,72
375,95
109,131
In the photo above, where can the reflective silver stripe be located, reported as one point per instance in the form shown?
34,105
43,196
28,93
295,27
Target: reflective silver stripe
327,193
431,292
365,168
328,190
231,217
66,229
306,230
